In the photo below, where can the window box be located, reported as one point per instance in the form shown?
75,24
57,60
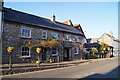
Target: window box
77,42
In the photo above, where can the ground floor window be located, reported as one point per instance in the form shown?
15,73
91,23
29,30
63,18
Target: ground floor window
76,50
25,52
54,52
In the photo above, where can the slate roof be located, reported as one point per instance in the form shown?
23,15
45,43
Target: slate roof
78,27
92,40
115,39
69,22
112,37
88,40
90,45
18,16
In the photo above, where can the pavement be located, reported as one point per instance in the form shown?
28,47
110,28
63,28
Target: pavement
33,67
105,69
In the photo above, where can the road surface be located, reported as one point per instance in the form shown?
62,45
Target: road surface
98,69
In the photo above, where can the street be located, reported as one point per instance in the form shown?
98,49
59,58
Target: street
98,69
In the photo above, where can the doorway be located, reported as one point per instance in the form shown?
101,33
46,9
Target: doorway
66,54
44,55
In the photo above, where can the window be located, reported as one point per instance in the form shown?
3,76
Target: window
44,34
25,52
26,33
54,52
54,36
68,37
76,38
76,50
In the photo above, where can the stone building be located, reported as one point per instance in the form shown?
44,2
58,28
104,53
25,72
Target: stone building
108,39
20,27
112,42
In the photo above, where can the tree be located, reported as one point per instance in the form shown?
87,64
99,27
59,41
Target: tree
48,43
94,50
103,47
29,44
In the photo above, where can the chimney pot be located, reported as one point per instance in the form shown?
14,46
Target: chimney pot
53,18
111,33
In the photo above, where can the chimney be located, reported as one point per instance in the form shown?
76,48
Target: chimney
53,18
111,33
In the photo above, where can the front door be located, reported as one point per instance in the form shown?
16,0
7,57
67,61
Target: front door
66,54
44,55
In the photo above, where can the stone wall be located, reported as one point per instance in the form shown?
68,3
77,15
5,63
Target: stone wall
12,37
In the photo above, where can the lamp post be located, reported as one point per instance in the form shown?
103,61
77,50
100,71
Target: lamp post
38,50
10,50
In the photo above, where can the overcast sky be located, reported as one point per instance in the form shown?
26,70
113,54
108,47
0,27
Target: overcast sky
95,18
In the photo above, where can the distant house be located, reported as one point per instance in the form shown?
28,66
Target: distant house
92,43
108,39
111,41
20,27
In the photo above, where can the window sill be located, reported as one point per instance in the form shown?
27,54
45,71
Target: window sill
77,42
24,57
55,55
76,53
44,38
68,41
25,38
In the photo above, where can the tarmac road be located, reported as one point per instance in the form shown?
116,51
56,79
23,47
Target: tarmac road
98,69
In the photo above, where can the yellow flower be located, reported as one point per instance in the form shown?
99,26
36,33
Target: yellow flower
38,50
9,49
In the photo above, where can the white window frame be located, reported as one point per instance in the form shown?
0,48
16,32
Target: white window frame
77,50
26,33
56,52
25,51
42,34
57,35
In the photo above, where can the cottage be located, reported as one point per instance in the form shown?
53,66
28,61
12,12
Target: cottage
112,42
108,39
20,28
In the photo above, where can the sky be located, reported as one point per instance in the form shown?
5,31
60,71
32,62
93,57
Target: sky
95,18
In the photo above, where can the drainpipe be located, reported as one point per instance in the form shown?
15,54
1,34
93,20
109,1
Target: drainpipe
1,28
